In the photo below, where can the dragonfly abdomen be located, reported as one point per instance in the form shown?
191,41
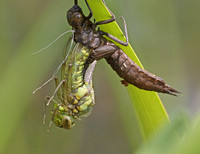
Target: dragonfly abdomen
133,74
76,95
81,91
79,64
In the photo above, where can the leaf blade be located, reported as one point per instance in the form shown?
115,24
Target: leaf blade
148,107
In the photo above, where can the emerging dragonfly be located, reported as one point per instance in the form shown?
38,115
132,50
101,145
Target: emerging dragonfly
74,90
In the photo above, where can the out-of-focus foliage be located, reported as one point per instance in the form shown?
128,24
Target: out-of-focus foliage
165,36
185,141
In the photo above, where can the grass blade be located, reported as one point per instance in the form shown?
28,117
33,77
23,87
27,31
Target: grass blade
148,107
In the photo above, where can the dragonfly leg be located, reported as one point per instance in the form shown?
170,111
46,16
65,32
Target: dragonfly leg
59,92
109,21
106,21
116,39
91,14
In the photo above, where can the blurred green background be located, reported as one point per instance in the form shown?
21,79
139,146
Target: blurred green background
165,36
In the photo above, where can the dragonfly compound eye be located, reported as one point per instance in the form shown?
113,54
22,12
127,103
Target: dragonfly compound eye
67,122
63,121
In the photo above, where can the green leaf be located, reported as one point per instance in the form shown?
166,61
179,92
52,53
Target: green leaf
191,140
148,107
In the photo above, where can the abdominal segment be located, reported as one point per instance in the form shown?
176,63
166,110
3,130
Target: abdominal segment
133,74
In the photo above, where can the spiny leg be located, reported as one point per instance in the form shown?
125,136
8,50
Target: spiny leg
109,21
125,29
116,39
106,21
59,92
99,22
91,14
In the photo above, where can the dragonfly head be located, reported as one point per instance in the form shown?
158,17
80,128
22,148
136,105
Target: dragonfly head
62,119
75,16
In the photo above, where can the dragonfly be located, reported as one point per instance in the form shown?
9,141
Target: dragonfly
74,89
87,34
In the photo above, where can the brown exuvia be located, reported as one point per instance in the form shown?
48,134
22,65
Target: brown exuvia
86,33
